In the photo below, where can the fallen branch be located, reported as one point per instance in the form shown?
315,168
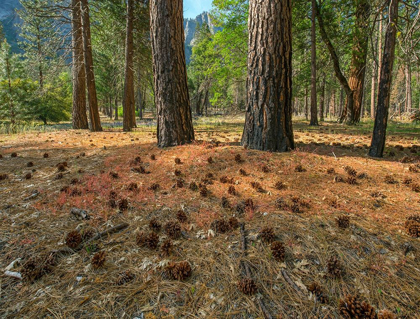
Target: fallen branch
290,281
267,315
13,274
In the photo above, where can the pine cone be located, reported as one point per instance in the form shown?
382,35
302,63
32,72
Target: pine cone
225,202
203,191
132,187
179,271
331,171
113,175
240,208
243,172
267,234
350,171
407,181
31,269
178,161
247,286
238,158
167,247
73,239
353,307
173,229
233,223
153,157
220,226
98,259
351,180
123,204
343,221
415,187
413,228
280,186
278,251
154,187
334,267
210,160
152,240
319,293
3,177
280,203
181,216
232,190
265,169
179,183
155,225
300,169
177,172
249,204
124,277
390,180
193,186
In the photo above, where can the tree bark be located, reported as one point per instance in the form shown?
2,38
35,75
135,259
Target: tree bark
314,117
172,100
358,60
379,131
268,123
79,117
128,99
95,121
322,100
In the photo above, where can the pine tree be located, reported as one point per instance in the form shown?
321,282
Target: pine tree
268,123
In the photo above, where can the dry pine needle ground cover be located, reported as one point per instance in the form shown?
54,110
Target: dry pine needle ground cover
328,231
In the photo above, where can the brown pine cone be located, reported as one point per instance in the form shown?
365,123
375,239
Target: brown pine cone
247,286
278,251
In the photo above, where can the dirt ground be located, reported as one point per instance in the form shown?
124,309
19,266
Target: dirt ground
300,195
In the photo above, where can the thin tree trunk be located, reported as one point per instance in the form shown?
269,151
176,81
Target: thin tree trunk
379,131
314,118
95,121
11,104
198,104
306,103
128,98
322,100
268,123
80,120
408,94
170,73
116,108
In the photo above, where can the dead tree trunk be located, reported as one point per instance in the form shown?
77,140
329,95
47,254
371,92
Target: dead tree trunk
268,123
95,121
128,98
379,131
314,116
172,100
79,116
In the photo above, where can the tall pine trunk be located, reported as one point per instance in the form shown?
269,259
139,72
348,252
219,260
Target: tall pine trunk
379,131
268,123
358,60
95,121
79,117
128,99
314,116
172,100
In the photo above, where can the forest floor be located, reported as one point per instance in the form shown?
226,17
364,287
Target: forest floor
300,195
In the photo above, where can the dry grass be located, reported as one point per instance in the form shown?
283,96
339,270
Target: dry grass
380,261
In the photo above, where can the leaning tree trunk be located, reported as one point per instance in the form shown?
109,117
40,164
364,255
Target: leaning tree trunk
172,100
314,116
128,99
80,120
95,120
358,61
379,131
268,123
348,107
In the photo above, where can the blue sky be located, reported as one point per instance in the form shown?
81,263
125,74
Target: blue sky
193,8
